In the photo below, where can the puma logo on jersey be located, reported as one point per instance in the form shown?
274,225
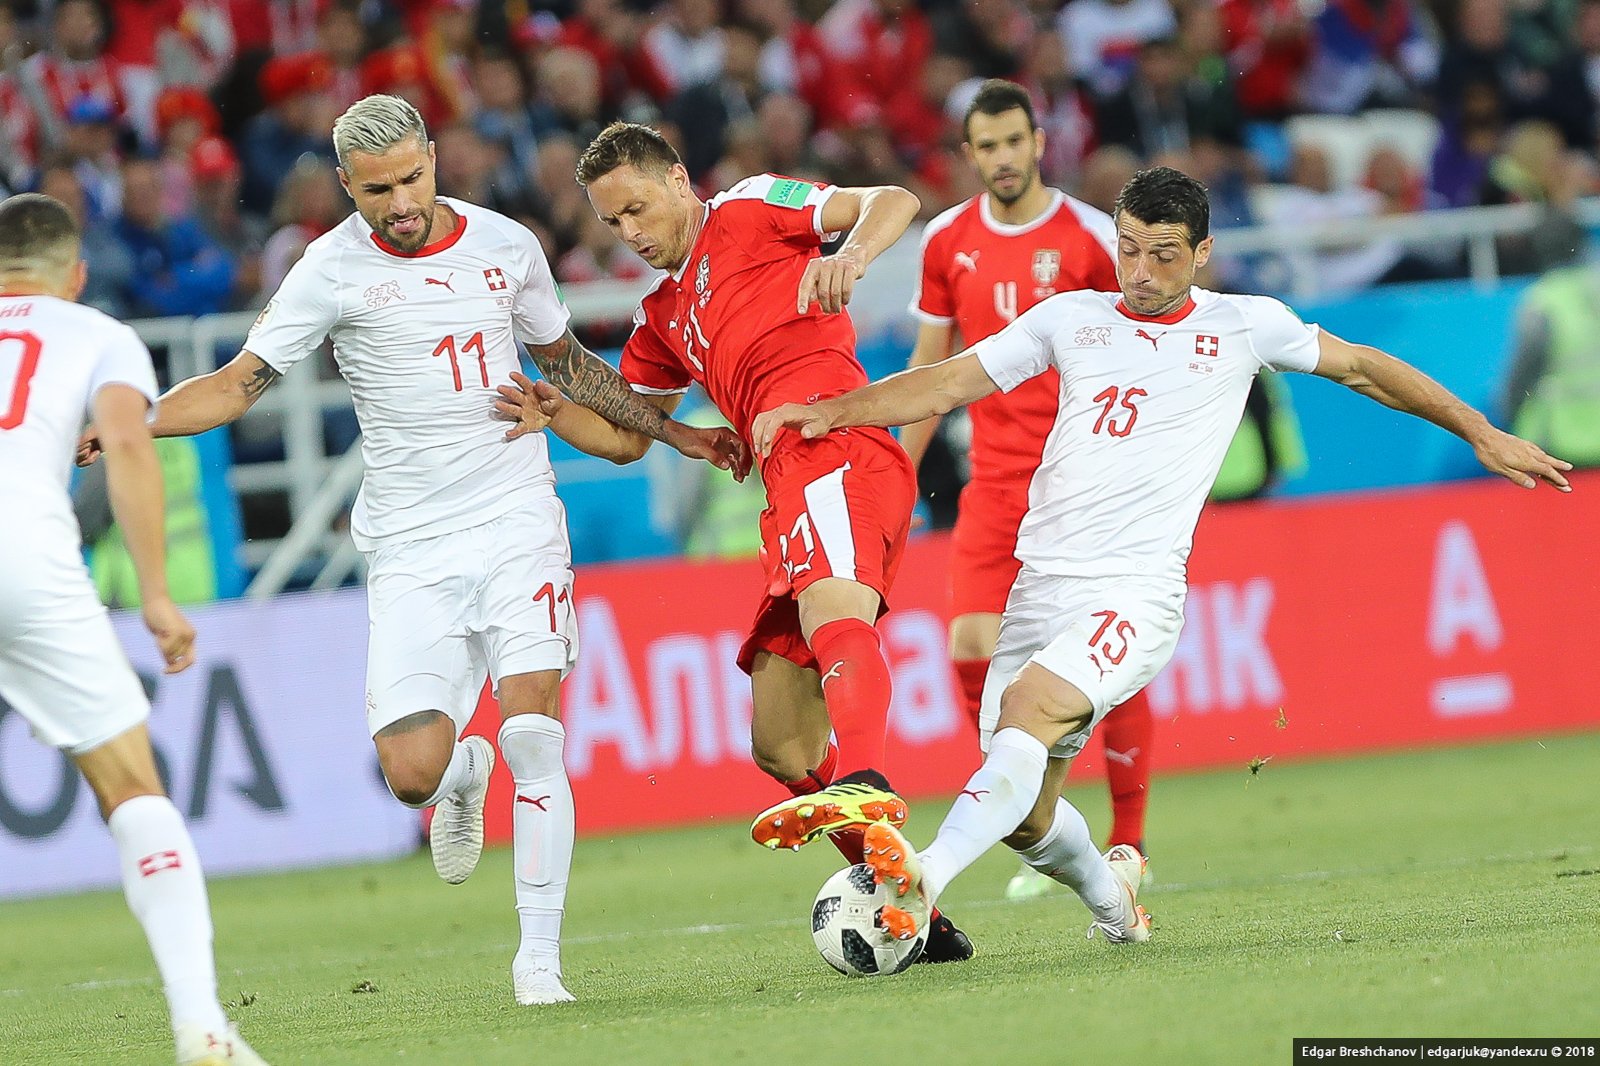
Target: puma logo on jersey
1148,337
446,282
977,795
836,670
537,802
968,259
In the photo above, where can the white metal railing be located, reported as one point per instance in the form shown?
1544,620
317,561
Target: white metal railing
320,486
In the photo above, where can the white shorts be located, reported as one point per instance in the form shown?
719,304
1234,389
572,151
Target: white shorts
446,612
61,667
1108,637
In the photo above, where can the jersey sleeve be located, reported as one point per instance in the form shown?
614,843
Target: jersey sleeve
538,316
1280,339
787,208
648,361
124,360
933,302
1021,351
298,317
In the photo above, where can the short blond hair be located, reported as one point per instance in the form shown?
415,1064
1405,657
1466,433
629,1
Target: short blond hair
374,124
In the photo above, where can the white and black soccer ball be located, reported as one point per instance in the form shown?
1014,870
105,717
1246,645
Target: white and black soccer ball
844,924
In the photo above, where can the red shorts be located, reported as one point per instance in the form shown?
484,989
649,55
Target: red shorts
983,560
838,506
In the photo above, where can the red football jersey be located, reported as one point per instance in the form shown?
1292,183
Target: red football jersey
727,319
979,274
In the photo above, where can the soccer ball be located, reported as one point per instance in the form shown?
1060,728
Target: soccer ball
844,924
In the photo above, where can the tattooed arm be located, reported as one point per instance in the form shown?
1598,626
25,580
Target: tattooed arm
201,403
589,380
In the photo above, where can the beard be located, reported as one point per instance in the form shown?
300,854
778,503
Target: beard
1024,185
405,242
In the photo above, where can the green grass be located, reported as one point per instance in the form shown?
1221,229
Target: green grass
1447,893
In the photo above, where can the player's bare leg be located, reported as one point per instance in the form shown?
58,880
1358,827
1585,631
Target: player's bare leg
789,741
836,618
427,766
532,739
166,891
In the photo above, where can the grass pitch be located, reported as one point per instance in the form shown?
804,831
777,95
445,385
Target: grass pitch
1446,893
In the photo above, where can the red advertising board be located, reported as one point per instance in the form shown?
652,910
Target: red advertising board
1315,627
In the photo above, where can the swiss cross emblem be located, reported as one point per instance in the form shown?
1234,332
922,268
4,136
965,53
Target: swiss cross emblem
495,278
1046,266
1205,344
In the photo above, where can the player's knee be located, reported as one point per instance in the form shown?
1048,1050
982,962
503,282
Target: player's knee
1026,702
1030,834
412,785
781,762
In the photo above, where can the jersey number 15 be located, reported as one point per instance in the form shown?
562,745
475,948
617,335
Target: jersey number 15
1111,420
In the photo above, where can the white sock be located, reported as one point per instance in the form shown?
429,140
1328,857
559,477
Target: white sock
542,830
167,894
457,775
1067,854
995,801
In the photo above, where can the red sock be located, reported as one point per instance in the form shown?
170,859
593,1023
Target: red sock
850,842
970,674
1127,732
856,686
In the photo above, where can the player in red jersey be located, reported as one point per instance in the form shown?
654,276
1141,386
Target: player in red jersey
751,311
984,262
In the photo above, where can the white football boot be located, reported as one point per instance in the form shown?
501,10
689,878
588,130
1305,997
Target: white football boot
1028,883
201,1047
537,984
456,835
1134,925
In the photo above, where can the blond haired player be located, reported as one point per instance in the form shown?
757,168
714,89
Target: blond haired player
60,666
1153,383
469,568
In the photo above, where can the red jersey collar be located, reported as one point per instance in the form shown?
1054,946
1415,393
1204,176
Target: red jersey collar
1176,315
443,243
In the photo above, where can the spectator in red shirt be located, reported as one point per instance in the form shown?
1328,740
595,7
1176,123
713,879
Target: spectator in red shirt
613,37
184,117
1268,43
794,60
74,67
878,47
342,44
297,120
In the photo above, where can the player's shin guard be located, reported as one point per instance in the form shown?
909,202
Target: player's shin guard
166,891
993,804
970,674
542,830
1067,854
848,841
856,687
1127,732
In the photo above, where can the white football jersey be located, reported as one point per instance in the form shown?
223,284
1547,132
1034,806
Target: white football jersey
423,340
1148,408
55,356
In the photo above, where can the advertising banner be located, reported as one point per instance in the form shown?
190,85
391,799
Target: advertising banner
1382,621
263,744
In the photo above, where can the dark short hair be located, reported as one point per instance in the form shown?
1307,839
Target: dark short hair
34,226
1163,195
623,144
995,97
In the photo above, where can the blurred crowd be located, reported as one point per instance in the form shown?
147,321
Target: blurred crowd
193,134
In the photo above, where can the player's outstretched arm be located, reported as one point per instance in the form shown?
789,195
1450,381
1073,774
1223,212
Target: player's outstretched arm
933,346
909,396
535,405
200,403
876,216
589,380
133,481
1405,388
